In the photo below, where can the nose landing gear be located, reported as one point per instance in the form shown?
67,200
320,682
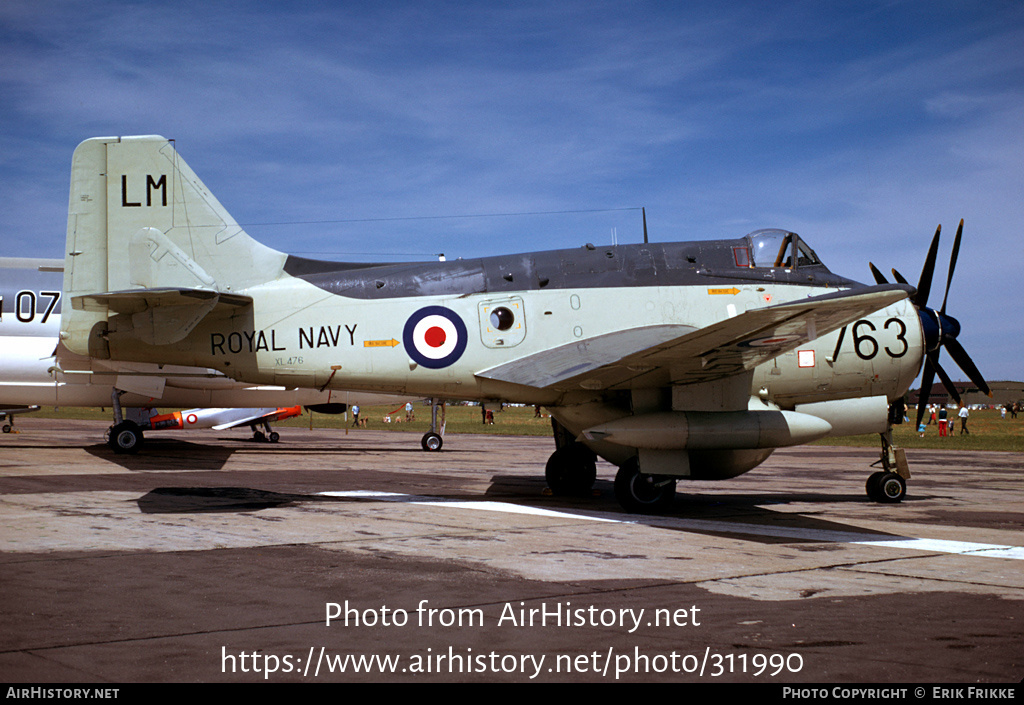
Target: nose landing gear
889,485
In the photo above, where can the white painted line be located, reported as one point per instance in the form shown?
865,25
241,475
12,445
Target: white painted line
486,506
964,548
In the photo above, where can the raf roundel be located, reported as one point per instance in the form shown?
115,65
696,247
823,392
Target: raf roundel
435,337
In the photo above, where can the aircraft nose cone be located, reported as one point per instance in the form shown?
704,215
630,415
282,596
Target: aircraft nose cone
937,327
950,326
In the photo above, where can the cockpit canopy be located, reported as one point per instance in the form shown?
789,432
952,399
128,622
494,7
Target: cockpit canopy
780,248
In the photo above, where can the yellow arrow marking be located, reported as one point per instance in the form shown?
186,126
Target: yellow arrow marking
732,291
380,343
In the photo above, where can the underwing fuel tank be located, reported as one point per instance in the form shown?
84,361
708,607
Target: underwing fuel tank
707,430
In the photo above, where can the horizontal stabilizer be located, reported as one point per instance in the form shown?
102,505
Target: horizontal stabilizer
139,300
159,316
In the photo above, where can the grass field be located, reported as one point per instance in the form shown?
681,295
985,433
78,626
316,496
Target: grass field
988,430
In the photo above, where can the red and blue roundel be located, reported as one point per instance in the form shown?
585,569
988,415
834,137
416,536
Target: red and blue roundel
770,342
435,337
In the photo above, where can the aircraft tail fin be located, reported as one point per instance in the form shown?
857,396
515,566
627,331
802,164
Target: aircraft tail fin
140,220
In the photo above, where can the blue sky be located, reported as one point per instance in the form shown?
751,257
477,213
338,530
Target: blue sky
352,130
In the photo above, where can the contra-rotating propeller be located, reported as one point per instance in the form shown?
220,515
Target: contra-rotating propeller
939,329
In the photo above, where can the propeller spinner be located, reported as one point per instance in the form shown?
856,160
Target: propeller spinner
940,330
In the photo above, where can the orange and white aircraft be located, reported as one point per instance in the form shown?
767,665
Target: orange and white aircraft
217,419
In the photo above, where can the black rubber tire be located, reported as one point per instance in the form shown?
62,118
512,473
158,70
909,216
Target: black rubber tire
891,488
641,493
873,486
432,442
126,438
571,470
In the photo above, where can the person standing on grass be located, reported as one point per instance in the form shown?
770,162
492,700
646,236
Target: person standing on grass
963,414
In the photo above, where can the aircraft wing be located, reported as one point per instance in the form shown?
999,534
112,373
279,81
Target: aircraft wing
13,411
675,354
275,415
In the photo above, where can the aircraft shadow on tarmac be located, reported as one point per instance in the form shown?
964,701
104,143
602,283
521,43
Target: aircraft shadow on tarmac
167,454
201,500
733,516
691,504
175,454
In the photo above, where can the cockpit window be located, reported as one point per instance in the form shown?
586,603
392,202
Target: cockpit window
766,246
805,255
775,248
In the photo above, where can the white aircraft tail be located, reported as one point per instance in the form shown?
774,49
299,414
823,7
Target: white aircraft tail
148,240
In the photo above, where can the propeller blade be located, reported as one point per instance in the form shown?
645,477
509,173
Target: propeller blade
879,277
899,277
960,356
946,381
924,285
952,263
927,377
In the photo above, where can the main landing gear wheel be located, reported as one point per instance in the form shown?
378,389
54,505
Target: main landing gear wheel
886,487
571,470
432,441
642,493
269,437
125,438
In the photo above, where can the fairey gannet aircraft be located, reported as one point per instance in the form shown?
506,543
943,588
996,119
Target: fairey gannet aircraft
687,360
35,371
